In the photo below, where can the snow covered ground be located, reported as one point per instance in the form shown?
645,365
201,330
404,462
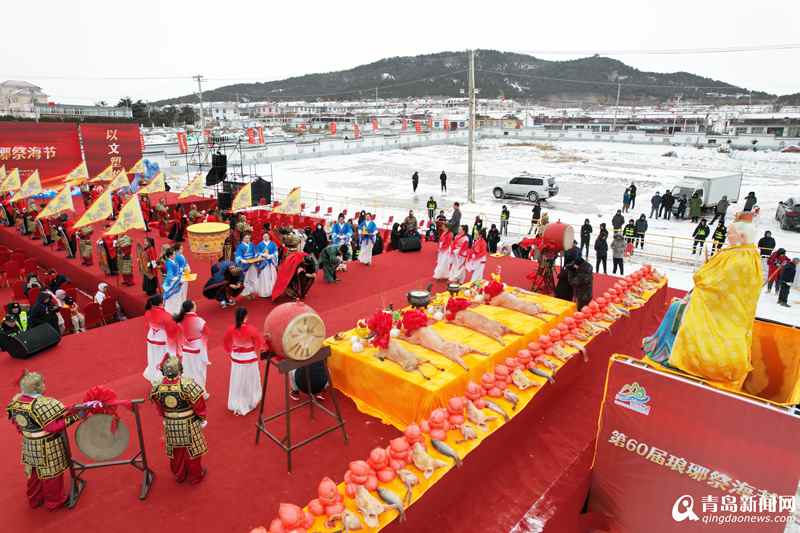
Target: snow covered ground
592,177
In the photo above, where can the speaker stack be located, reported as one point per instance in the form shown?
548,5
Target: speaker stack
28,343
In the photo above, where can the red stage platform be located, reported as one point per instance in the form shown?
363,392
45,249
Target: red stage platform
540,457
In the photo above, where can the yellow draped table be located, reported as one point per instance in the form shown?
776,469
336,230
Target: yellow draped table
383,390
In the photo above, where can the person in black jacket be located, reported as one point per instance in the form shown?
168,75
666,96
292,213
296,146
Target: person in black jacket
750,201
618,221
641,229
700,235
579,277
443,181
667,201
320,240
414,181
766,244
586,237
601,250
45,310
655,204
787,278
632,192
682,203
493,239
718,238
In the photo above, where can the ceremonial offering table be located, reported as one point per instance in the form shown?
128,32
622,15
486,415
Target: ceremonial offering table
384,390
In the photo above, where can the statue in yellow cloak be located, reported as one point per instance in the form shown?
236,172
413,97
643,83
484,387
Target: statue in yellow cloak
714,338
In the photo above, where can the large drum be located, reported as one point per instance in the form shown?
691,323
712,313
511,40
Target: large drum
559,235
294,330
207,238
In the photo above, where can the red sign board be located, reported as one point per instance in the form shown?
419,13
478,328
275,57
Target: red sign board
676,455
375,124
260,130
332,128
418,126
251,136
183,142
110,144
51,148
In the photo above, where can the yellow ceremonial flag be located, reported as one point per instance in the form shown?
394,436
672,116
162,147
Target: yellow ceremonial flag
290,206
77,175
59,203
106,175
156,184
119,182
195,187
101,209
137,168
11,182
243,199
31,187
130,217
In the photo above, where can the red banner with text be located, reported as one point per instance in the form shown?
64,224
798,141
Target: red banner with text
332,128
260,130
676,455
251,136
51,148
418,126
374,124
183,142
110,144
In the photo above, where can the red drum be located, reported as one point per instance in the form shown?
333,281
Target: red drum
294,330
559,235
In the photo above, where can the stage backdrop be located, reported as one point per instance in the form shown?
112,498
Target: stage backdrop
51,148
676,455
110,144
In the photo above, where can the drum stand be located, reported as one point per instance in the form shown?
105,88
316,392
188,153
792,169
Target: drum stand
138,461
284,366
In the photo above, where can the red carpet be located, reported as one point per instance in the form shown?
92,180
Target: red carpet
528,459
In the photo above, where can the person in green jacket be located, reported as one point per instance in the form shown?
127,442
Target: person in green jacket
695,207
330,260
431,205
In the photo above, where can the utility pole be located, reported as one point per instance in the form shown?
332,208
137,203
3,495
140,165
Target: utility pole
471,145
616,108
199,78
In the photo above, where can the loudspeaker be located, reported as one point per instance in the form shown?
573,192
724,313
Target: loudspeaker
224,200
219,170
410,244
261,188
27,343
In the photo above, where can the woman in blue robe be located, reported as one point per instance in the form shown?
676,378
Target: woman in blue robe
267,268
245,253
172,286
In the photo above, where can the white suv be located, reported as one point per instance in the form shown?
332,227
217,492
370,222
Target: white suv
528,186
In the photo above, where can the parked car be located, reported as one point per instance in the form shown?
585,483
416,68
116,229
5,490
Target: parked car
528,186
788,214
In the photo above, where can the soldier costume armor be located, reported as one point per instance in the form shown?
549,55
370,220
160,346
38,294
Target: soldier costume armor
125,261
180,401
41,421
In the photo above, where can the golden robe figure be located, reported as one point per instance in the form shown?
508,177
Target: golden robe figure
715,336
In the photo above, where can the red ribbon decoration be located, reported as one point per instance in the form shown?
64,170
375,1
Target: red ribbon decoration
454,305
381,324
414,319
493,289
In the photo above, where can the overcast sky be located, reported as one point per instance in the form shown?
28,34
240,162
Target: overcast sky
61,45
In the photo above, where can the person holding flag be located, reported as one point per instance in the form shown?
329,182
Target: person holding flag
267,268
125,255
367,231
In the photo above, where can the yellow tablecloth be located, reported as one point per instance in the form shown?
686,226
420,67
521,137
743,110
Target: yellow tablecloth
383,390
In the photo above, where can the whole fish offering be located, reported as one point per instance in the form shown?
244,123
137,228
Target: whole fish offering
496,408
542,374
511,398
393,501
444,449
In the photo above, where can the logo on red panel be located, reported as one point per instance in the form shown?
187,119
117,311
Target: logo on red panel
634,397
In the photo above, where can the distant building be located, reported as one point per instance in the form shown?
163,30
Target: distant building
773,124
20,98
79,112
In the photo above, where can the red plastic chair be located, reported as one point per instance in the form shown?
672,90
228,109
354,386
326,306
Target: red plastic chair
329,212
93,315
33,294
109,309
29,266
390,221
66,316
19,257
421,223
71,291
302,207
316,210
19,291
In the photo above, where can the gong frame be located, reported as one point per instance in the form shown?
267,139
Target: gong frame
138,461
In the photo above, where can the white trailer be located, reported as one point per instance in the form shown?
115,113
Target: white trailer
711,188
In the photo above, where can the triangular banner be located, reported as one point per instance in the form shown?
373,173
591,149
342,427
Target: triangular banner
106,175
290,206
11,182
78,175
157,184
129,217
137,168
101,209
31,187
2,173
243,199
59,203
120,182
195,187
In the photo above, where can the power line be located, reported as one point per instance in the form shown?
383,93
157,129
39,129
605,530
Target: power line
671,51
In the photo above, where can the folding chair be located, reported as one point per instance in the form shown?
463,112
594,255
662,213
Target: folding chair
66,316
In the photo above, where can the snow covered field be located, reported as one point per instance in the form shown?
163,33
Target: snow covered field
592,177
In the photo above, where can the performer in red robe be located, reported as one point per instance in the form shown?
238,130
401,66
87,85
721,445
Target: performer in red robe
41,421
295,276
243,344
478,256
162,336
180,401
461,252
110,251
194,346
